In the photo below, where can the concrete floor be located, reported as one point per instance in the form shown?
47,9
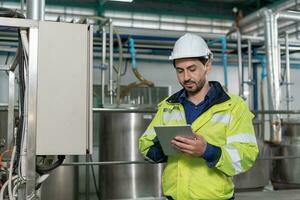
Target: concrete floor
270,195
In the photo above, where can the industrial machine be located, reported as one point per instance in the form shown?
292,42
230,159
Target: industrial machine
259,175
120,143
286,172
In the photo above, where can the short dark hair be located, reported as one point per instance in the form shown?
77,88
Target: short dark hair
202,59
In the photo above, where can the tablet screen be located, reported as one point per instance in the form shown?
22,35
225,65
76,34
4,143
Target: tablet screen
166,133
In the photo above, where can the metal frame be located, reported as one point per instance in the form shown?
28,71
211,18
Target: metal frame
32,103
32,26
11,107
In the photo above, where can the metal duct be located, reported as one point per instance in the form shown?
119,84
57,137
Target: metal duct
36,9
272,50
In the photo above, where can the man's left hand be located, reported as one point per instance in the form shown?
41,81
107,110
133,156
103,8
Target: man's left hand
193,146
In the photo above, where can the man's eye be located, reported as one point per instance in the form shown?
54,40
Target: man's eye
192,69
179,71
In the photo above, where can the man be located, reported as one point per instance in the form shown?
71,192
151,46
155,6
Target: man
224,144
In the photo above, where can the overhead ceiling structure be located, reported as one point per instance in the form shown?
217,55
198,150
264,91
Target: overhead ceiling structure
221,9
166,19
204,16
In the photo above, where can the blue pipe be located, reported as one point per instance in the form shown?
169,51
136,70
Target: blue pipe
263,75
132,52
255,87
223,42
263,62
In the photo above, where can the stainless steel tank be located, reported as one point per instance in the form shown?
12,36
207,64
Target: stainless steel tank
119,134
286,172
62,184
3,125
259,175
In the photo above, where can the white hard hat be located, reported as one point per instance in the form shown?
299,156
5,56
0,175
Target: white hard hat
188,46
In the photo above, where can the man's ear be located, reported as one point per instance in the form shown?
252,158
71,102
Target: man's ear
208,65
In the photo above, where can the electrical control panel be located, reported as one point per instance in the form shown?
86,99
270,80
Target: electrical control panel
64,89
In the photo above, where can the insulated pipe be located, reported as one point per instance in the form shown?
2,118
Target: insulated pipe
111,59
250,75
287,65
103,66
224,58
248,20
224,55
35,9
240,63
291,15
271,44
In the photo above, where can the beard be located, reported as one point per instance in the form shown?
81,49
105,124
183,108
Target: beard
197,85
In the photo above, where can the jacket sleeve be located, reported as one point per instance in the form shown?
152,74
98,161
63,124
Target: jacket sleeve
241,150
148,143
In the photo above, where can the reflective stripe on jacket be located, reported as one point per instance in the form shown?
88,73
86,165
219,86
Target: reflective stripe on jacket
228,125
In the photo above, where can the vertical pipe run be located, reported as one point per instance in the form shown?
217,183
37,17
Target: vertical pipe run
22,6
111,59
250,75
272,52
35,9
240,64
87,178
103,66
223,42
288,78
11,106
224,55
32,114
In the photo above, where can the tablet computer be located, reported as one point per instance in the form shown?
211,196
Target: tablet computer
166,133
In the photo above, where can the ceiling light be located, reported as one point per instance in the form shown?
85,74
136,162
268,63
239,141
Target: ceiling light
129,1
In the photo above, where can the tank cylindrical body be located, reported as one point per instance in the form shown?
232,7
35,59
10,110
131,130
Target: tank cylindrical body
119,136
259,175
62,184
286,172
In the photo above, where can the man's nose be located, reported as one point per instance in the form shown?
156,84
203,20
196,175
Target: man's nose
186,76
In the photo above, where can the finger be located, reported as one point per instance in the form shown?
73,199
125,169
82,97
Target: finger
182,145
185,140
187,152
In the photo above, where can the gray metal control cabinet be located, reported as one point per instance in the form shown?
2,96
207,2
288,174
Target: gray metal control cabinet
64,89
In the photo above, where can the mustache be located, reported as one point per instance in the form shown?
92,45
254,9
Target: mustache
188,81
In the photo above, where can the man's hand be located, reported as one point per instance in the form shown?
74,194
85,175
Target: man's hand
194,146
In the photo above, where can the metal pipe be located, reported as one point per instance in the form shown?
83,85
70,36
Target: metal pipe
287,66
22,6
35,9
224,56
32,114
106,163
111,59
240,63
250,75
87,179
126,110
291,15
145,162
296,112
271,44
11,109
279,158
103,66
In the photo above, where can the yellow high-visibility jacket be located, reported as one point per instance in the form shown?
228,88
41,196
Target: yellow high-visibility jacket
226,124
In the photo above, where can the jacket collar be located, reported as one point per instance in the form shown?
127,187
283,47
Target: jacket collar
221,95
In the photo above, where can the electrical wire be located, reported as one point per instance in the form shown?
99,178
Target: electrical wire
2,155
46,169
94,179
10,194
4,187
6,12
16,187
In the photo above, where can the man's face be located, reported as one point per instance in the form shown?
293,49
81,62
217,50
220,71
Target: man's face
191,73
